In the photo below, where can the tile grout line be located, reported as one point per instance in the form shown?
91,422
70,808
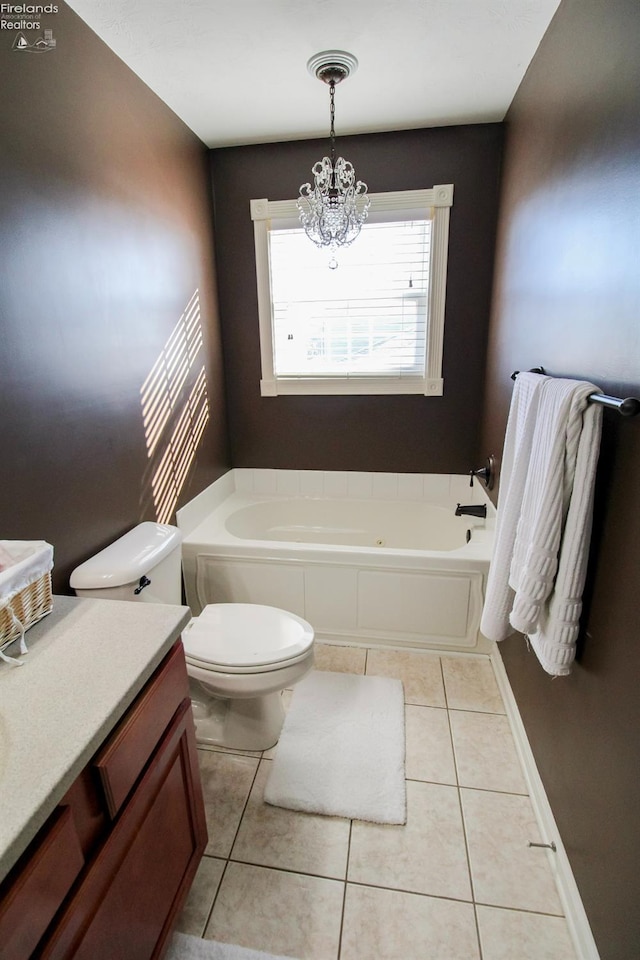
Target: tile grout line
403,890
409,891
228,859
480,713
276,869
344,893
466,847
534,913
462,820
444,690
213,902
441,783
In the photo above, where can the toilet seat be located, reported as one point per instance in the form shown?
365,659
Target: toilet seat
246,638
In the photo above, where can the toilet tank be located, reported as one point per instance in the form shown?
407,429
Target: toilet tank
144,564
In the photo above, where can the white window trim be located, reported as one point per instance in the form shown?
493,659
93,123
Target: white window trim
440,198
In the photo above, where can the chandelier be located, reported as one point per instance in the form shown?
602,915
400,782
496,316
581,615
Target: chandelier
333,210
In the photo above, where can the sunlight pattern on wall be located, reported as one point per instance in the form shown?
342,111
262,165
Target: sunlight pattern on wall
175,410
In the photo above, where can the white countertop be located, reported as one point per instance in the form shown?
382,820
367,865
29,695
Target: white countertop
87,662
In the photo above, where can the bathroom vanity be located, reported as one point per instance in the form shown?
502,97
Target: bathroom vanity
103,824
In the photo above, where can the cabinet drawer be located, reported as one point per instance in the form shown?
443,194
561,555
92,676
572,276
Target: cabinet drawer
125,754
36,890
133,889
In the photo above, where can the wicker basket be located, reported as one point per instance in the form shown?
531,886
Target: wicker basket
25,589
29,605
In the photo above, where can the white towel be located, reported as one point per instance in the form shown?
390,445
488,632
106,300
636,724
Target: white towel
513,476
546,499
554,640
542,542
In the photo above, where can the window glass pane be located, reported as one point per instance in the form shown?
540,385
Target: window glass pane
367,317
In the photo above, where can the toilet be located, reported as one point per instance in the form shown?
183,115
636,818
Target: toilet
240,656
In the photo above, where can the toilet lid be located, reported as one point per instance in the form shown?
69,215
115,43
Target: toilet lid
229,635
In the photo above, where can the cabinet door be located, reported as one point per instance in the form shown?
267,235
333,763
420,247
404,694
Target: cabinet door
38,886
133,890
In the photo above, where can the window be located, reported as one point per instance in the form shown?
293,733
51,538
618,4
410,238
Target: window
375,324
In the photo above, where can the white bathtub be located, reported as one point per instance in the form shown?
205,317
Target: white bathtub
359,569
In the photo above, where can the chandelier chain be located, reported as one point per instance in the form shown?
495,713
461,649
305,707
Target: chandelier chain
332,107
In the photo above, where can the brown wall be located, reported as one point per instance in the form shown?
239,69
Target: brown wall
398,433
568,297
105,219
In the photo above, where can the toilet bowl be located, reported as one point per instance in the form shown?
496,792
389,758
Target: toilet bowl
240,656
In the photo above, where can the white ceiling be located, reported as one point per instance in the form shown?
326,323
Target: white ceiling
235,70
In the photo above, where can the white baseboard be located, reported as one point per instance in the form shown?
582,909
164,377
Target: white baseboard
574,911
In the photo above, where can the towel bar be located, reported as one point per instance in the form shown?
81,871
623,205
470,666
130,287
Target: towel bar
628,407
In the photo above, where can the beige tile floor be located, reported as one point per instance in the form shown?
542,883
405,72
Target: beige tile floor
457,882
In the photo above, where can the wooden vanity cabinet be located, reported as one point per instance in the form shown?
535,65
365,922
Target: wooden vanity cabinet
126,841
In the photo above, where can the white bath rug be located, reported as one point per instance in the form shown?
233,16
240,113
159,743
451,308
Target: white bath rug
342,748
185,947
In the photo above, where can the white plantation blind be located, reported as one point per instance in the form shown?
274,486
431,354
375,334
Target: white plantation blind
366,318
374,325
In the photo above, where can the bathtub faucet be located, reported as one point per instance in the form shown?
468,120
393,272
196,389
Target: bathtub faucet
472,510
